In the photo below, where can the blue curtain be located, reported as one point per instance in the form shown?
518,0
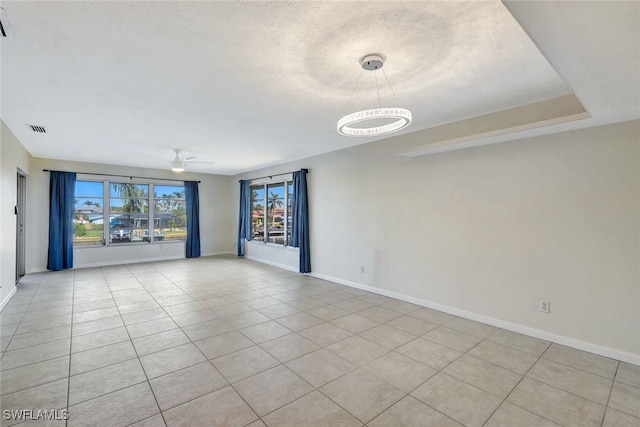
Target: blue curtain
300,220
244,220
62,192
193,218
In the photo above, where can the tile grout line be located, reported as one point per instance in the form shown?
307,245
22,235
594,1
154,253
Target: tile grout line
21,348
351,371
562,389
39,361
257,290
540,357
582,370
516,386
438,371
214,367
23,314
134,349
349,412
280,364
465,353
356,366
613,383
27,309
205,357
439,325
73,291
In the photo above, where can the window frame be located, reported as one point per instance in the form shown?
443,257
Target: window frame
264,184
153,216
78,212
150,200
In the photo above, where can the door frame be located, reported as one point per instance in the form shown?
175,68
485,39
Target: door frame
21,217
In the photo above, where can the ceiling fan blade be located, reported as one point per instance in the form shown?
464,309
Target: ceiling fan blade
201,163
186,159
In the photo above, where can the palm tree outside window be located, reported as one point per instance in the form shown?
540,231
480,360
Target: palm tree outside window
276,214
129,212
271,212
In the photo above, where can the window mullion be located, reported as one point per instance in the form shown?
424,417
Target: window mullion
106,213
265,215
151,228
285,233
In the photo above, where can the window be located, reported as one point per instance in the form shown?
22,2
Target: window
289,210
128,213
257,213
137,213
271,212
169,213
275,214
88,224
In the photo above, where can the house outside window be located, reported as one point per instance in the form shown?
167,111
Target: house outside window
88,224
136,213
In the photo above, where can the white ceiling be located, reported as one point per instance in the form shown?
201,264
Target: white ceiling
252,84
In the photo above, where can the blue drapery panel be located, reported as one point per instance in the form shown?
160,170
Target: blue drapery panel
244,220
62,193
300,220
193,218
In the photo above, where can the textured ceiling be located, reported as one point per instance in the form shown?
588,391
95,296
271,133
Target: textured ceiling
251,84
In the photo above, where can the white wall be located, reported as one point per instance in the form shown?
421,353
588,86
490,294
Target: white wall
486,232
13,156
277,255
216,234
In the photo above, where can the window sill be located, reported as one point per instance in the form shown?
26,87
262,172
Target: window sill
272,245
163,242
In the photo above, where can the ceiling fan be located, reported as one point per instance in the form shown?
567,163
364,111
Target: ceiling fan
178,164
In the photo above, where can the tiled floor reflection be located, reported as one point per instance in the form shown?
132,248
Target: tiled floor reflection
230,342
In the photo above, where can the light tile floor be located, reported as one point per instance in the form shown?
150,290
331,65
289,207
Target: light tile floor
226,341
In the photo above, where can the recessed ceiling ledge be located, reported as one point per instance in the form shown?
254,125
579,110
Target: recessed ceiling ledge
474,131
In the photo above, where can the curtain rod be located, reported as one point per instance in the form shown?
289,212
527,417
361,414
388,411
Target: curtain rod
122,176
275,174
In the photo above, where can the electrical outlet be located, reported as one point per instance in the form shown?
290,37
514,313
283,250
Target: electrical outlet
362,269
544,306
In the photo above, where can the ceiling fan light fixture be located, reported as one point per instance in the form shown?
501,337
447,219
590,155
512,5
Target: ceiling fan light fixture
400,117
177,166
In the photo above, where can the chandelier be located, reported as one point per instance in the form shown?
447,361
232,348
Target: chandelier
367,122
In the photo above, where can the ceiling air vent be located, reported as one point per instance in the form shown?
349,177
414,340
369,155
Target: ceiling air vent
38,129
5,28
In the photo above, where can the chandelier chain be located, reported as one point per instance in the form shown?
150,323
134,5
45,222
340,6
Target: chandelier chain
378,89
389,83
353,91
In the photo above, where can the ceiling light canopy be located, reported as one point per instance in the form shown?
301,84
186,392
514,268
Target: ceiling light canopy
392,118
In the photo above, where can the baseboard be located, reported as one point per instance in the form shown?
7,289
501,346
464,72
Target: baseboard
218,253
127,261
514,327
6,300
275,264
